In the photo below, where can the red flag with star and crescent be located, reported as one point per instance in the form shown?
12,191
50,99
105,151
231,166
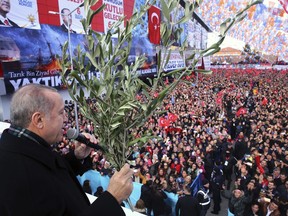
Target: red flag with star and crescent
154,16
172,117
241,111
163,122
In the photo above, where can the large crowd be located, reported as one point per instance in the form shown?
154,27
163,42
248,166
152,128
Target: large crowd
230,128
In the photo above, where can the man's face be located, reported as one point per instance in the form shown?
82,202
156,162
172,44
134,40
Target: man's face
4,6
53,122
255,208
66,17
273,206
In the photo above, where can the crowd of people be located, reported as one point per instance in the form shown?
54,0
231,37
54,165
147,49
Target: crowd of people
230,128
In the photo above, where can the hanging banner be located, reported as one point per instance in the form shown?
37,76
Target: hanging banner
30,56
113,11
176,61
21,13
71,13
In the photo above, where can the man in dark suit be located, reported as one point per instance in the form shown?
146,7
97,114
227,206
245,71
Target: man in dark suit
187,204
67,20
270,208
36,180
4,10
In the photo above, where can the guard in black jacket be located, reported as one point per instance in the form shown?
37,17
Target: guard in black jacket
187,205
203,197
217,183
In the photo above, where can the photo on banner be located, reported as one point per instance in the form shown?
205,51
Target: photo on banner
176,61
71,13
22,14
32,58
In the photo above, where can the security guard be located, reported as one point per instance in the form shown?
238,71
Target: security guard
203,197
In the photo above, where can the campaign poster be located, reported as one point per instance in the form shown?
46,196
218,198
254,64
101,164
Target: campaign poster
176,61
21,13
71,13
30,56
113,11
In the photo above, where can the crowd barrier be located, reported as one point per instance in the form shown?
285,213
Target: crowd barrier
96,180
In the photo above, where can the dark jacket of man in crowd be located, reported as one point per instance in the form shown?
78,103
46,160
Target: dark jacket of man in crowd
187,204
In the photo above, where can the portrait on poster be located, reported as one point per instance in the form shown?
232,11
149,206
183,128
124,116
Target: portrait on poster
21,14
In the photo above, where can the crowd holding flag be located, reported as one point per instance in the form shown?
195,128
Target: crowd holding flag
219,97
241,111
163,122
264,101
196,184
172,117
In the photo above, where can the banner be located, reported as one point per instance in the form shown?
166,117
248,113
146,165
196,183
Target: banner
29,56
70,14
113,11
142,46
21,13
176,61
154,20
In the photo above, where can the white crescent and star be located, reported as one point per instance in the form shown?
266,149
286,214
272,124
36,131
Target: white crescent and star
157,17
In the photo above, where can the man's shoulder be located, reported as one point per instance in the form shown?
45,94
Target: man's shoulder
64,28
13,23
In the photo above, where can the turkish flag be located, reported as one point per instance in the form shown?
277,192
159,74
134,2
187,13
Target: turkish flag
172,117
264,101
241,111
162,122
257,160
219,97
154,16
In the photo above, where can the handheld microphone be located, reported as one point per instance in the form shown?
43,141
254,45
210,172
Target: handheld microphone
74,134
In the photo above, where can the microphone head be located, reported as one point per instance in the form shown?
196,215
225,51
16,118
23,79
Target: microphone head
72,133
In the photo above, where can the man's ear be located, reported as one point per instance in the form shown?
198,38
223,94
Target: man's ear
37,120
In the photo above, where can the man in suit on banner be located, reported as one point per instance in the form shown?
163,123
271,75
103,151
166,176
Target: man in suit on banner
4,10
67,20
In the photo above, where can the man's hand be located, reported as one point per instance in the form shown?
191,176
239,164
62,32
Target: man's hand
81,150
121,185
